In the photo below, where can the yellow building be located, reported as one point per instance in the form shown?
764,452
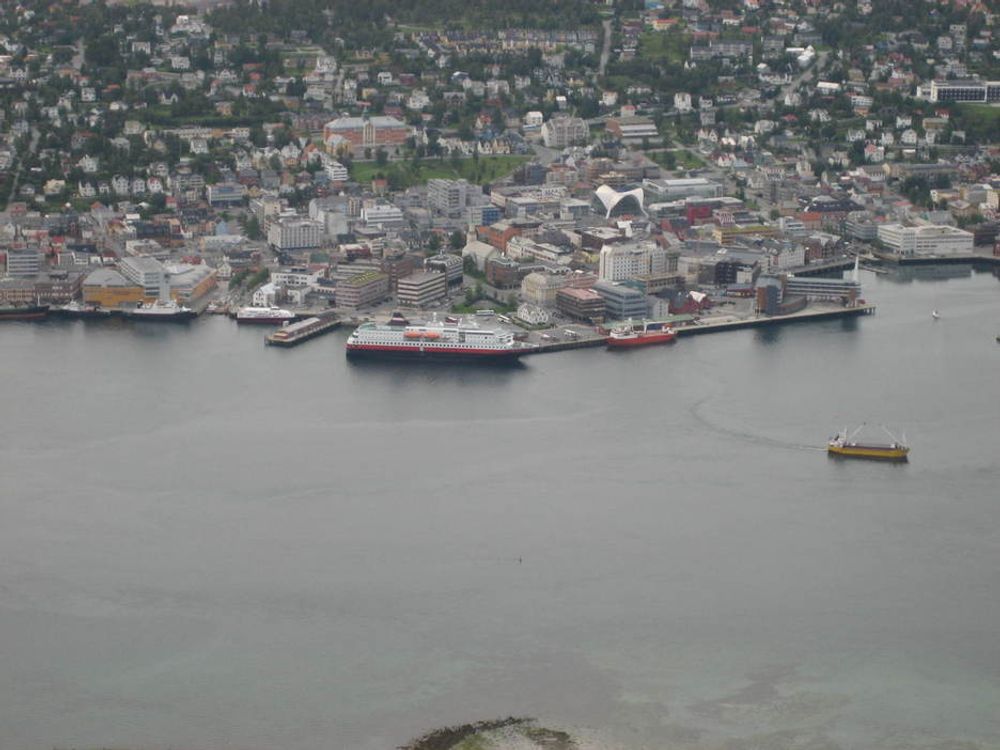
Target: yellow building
109,289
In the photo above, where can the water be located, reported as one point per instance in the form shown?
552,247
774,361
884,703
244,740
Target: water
210,544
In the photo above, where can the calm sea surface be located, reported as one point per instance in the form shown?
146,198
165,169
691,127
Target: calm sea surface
209,544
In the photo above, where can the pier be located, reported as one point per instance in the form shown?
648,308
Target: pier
588,337
763,321
984,258
297,333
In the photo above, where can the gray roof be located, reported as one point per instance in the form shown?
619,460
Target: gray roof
106,277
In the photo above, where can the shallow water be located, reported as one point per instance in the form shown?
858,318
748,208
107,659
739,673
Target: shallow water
211,544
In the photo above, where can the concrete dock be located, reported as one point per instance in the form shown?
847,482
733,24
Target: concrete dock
810,314
588,337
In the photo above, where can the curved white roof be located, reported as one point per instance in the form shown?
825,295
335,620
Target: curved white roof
610,198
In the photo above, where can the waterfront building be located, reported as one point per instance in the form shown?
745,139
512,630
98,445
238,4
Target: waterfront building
582,304
190,281
145,272
814,287
364,289
54,288
266,295
24,261
925,240
110,289
620,301
421,288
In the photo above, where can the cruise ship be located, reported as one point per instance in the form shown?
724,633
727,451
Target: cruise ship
264,315
435,341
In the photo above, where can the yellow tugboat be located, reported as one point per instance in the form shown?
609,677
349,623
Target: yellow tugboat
845,444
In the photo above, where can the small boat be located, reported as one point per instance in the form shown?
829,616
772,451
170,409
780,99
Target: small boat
935,314
846,445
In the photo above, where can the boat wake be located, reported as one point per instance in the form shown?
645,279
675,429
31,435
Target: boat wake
747,437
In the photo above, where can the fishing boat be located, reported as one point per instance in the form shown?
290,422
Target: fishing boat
846,444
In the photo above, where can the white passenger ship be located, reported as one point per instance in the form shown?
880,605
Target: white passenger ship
435,341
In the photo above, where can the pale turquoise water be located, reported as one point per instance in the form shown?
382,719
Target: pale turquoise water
210,544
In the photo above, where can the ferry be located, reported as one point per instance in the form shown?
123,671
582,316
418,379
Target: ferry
650,333
846,445
434,341
161,312
264,315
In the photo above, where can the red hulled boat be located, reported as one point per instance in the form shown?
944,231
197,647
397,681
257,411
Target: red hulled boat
628,335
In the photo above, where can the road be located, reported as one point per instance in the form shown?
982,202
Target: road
806,75
606,49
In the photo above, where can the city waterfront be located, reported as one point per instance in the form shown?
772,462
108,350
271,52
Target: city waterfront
209,543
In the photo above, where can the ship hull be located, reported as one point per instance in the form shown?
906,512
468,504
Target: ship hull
183,316
263,321
82,314
871,452
643,339
390,351
33,312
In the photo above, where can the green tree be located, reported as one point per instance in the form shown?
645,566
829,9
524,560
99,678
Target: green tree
457,240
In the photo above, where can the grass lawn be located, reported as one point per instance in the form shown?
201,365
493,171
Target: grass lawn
664,46
682,159
980,121
485,169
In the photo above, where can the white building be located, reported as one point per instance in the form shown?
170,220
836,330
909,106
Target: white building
295,234
145,272
336,171
447,196
296,278
630,260
265,295
682,102
933,239
560,132
384,215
